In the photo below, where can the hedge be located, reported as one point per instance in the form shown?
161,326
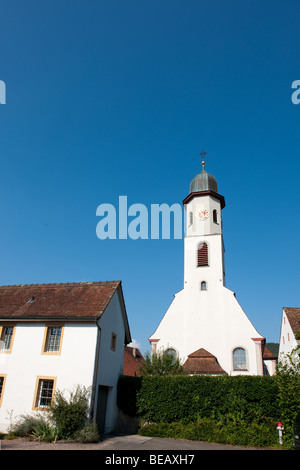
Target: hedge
237,410
171,399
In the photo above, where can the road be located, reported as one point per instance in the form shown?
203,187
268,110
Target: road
122,443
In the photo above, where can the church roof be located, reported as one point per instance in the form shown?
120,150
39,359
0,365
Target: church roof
202,362
203,182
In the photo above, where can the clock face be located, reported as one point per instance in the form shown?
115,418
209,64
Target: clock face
202,214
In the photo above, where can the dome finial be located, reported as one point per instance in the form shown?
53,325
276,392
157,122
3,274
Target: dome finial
202,154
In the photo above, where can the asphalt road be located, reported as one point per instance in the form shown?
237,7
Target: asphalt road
122,443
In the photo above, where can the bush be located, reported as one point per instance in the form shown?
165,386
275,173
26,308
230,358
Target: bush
64,420
87,434
28,425
234,432
69,416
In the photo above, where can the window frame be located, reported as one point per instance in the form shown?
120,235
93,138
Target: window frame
2,376
246,368
172,352
215,217
37,393
2,329
199,247
113,342
47,331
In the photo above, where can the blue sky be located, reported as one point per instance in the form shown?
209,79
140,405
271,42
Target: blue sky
107,98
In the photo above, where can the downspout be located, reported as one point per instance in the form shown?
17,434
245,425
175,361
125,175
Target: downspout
92,409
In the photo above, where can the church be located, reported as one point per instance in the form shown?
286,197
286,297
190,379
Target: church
205,326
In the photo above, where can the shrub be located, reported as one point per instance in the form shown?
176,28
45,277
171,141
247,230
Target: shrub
234,432
28,425
61,421
69,416
87,434
162,363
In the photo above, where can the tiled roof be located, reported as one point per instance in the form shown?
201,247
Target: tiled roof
293,315
82,300
268,355
202,362
133,361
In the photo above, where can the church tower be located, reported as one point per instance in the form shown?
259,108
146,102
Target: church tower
205,326
203,243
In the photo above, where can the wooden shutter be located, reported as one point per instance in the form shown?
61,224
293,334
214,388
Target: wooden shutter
203,254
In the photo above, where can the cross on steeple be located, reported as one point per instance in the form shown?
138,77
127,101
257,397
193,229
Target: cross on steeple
202,154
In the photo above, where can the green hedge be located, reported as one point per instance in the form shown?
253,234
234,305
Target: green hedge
171,399
237,410
234,432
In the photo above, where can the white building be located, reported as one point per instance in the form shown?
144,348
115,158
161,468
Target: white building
290,329
57,336
205,323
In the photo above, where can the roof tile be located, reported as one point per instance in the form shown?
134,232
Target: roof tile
67,300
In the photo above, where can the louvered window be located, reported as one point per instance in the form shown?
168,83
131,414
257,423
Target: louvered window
203,254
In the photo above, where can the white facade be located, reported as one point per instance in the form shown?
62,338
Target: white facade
290,323
205,314
90,354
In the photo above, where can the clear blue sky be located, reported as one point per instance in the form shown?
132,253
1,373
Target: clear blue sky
113,97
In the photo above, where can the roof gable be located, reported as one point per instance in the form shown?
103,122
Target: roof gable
202,362
83,300
293,316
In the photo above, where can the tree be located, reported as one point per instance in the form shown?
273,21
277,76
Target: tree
163,363
288,381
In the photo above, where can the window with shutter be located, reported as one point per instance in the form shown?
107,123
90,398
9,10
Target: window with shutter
203,254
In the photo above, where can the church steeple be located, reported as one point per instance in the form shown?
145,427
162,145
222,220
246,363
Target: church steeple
204,250
203,181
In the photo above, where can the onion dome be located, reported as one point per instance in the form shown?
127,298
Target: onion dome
203,182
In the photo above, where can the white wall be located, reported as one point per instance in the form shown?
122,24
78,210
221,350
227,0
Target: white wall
213,321
111,364
25,363
288,341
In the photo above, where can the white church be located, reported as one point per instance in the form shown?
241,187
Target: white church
205,326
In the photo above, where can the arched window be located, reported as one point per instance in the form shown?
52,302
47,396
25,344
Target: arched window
191,218
239,359
203,254
215,216
172,352
203,285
